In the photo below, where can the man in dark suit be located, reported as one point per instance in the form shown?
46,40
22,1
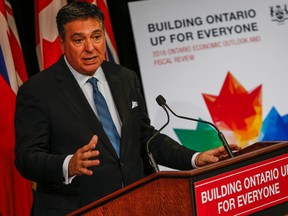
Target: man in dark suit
60,142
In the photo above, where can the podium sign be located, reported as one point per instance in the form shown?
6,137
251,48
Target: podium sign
244,190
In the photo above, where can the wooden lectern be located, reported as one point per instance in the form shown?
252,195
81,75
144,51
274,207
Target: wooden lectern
177,192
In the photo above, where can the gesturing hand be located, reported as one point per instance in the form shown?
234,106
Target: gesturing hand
80,162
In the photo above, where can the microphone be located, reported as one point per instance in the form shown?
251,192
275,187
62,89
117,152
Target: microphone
150,156
162,102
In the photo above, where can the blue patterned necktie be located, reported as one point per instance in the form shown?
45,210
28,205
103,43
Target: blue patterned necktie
104,116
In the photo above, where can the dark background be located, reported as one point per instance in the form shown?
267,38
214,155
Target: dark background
119,14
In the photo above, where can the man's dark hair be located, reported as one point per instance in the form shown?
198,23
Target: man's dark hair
77,11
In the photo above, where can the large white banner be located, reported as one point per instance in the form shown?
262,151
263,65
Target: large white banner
222,61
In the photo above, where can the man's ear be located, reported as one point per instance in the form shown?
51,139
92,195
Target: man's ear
61,43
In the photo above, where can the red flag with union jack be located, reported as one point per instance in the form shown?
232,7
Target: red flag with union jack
47,46
15,191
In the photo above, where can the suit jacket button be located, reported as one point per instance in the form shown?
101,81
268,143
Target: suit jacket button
121,164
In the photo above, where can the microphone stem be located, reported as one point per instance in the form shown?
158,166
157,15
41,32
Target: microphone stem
150,155
220,134
152,162
225,144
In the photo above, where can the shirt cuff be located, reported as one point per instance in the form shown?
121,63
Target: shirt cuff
67,179
193,160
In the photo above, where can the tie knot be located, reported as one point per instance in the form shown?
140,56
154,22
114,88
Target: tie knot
93,81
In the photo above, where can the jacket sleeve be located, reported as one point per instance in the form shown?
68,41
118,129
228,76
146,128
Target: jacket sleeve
32,157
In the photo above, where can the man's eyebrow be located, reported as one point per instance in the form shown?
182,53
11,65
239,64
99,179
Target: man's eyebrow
82,34
97,31
77,34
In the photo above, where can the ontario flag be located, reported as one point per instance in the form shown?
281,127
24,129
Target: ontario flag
15,191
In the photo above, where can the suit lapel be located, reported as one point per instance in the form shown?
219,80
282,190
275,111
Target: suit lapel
116,87
113,77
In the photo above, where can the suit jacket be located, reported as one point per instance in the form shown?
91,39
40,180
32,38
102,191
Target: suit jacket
53,119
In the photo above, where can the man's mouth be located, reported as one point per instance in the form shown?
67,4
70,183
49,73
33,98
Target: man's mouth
90,59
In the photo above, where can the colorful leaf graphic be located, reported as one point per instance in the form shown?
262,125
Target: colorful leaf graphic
274,127
236,112
201,139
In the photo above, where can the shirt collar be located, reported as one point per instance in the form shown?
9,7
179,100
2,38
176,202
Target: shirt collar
82,79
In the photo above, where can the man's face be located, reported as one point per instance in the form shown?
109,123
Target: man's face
84,45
